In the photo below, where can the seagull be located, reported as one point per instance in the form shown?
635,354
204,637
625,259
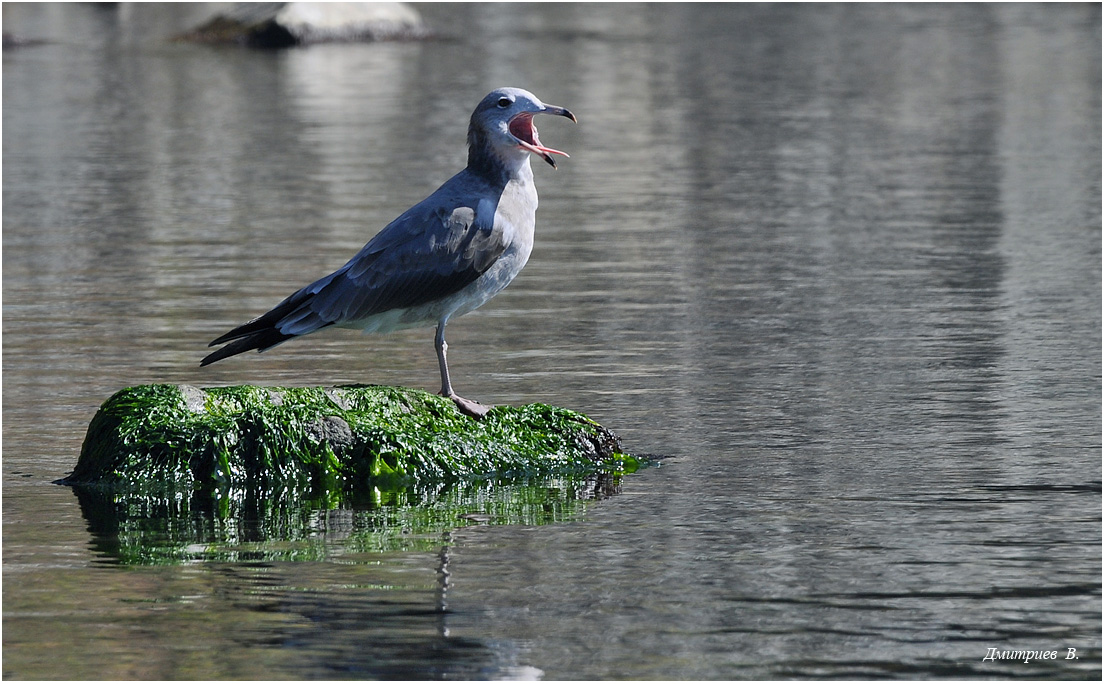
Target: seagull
444,257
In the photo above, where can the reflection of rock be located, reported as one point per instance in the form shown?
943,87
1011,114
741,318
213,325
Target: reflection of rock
158,525
284,24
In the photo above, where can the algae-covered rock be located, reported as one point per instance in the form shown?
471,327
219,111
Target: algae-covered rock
277,440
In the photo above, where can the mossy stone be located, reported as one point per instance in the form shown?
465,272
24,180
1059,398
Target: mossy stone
297,439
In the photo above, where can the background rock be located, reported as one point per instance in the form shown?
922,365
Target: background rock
286,24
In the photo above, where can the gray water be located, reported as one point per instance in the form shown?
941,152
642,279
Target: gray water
840,264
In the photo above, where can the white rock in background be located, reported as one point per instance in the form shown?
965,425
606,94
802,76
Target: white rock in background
283,24
314,22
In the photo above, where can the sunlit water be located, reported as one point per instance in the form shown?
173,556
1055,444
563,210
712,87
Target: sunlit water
841,264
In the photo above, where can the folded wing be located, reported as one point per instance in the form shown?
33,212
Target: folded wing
433,250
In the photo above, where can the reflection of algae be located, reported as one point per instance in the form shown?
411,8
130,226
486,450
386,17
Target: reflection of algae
314,439
173,526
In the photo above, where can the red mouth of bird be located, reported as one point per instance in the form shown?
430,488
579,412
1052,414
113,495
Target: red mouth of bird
522,128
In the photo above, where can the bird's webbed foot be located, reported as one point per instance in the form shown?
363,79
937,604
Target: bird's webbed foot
472,409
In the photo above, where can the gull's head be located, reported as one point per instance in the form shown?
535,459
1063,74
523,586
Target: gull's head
502,125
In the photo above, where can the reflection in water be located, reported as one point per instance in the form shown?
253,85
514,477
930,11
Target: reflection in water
844,262
344,625
151,526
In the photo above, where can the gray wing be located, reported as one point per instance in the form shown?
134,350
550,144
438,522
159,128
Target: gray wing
435,249
424,255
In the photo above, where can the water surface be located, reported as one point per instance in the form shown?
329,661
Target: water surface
841,263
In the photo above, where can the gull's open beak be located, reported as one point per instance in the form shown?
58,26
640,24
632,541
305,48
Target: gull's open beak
522,128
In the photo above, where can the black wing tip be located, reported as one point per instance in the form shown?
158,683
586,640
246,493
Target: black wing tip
219,340
219,355
262,340
258,325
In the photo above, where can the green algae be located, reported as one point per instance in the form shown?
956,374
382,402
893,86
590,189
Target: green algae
175,474
315,441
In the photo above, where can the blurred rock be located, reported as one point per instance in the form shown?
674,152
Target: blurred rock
13,41
287,24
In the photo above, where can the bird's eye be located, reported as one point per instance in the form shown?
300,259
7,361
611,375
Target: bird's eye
504,102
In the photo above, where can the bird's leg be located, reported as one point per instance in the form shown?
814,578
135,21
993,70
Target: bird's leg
466,406
442,347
